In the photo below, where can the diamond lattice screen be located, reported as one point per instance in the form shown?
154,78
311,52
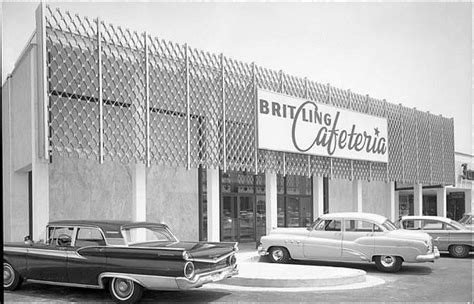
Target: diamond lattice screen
116,95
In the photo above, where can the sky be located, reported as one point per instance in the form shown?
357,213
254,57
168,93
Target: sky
416,54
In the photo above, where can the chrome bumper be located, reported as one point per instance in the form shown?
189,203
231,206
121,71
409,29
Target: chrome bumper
262,251
209,277
430,257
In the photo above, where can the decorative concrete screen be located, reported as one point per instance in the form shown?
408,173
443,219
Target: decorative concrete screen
118,95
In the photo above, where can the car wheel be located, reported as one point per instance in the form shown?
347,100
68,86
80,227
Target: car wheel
11,278
125,291
459,251
279,255
388,263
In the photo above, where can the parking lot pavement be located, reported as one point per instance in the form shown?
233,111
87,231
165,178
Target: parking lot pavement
447,280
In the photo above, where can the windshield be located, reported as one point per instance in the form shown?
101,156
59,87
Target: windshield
389,225
465,219
457,225
135,235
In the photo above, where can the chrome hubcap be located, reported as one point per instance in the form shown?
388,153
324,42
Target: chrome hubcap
7,275
277,254
387,261
124,288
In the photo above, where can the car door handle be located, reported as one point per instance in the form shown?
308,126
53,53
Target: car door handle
101,249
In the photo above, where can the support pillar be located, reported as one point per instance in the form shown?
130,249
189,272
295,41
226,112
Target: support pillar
469,200
271,208
397,205
139,191
441,202
318,196
40,195
417,199
213,205
357,195
393,203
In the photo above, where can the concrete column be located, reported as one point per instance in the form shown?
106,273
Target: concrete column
397,205
441,202
139,191
469,200
357,195
417,199
318,196
213,205
271,208
393,203
40,195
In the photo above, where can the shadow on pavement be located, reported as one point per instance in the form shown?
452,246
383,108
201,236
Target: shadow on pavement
407,268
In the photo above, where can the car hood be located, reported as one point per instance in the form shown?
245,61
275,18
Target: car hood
292,231
409,234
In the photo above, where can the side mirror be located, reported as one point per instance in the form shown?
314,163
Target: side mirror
28,240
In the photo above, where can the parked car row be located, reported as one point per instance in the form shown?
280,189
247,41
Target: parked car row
128,257
356,237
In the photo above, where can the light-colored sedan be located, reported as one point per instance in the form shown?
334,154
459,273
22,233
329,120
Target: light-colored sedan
353,237
448,234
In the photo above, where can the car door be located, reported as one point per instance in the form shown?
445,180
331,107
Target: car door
324,240
48,261
357,240
86,259
436,229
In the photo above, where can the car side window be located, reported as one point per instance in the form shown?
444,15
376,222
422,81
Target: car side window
360,226
333,225
432,225
328,225
60,236
89,237
412,224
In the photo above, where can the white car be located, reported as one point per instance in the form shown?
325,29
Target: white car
352,237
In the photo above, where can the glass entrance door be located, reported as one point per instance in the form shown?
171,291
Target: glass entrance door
238,218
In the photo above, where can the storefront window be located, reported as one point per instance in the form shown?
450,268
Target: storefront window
243,216
294,201
202,178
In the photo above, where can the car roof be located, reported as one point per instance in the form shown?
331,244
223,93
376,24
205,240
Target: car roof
426,217
110,228
356,215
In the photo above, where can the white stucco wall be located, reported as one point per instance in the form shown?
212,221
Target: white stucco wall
172,198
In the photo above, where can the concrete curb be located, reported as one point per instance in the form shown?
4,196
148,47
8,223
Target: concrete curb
253,274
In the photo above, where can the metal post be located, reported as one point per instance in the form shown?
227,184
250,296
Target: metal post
306,96
255,88
328,86
101,101
284,154
431,157
188,131
224,141
417,151
42,64
147,102
400,110
442,145
349,105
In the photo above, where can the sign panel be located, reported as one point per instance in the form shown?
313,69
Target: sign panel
291,124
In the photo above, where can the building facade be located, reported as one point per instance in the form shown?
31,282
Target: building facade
101,122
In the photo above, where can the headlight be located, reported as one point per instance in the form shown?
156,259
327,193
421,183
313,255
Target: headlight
189,270
231,260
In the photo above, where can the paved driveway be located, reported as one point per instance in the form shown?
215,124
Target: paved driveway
447,280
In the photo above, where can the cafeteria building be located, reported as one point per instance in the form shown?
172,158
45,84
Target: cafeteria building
100,122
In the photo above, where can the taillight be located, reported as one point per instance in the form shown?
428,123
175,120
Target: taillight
189,270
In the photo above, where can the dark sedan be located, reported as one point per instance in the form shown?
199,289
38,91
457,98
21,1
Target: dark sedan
126,256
